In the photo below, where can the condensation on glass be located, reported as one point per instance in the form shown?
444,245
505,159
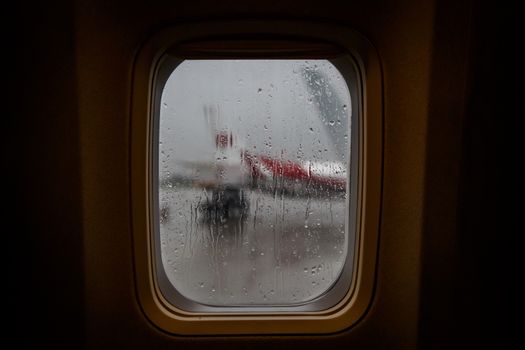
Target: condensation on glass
253,181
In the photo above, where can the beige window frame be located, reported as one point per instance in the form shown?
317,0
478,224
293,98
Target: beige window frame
253,39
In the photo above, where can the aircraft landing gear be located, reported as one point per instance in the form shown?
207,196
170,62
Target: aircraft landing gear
226,203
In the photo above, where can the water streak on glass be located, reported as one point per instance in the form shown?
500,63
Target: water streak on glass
253,178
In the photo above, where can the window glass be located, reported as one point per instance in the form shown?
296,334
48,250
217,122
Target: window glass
253,180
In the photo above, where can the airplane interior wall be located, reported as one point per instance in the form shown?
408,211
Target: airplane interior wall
444,270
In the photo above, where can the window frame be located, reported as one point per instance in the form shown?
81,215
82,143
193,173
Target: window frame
344,283
254,39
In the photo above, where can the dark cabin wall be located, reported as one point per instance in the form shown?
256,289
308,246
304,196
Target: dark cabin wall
467,252
440,254
489,210
70,264
45,269
402,33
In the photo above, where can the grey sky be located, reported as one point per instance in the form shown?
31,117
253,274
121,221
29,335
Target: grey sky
290,109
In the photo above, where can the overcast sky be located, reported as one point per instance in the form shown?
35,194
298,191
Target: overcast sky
292,109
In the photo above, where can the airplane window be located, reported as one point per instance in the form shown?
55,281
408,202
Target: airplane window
254,160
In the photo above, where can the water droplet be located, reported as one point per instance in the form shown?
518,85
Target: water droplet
259,90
